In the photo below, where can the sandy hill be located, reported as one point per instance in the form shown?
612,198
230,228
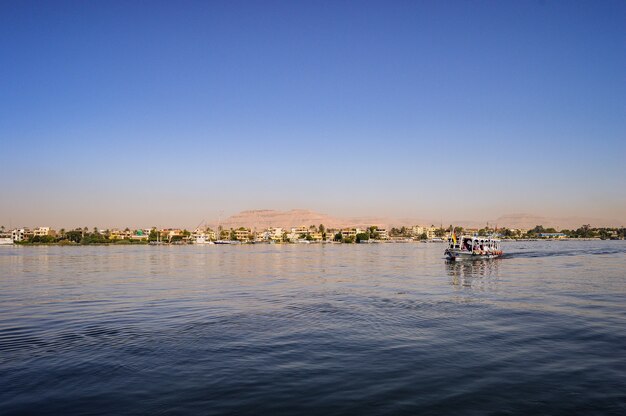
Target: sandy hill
526,221
264,218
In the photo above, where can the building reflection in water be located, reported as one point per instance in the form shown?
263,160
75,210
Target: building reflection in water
473,273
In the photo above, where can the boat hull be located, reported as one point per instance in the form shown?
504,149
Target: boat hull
457,255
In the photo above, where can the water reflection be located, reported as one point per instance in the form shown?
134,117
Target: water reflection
222,329
470,273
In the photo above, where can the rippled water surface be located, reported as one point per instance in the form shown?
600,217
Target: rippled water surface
311,329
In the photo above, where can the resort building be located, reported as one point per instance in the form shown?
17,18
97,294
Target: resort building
265,235
19,234
382,234
204,233
276,233
139,235
41,231
116,234
349,232
417,230
242,234
552,235
300,230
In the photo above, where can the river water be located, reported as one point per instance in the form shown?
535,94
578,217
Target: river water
313,329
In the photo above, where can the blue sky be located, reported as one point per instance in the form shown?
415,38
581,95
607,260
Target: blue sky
115,113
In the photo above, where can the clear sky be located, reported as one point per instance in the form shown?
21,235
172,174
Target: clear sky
166,113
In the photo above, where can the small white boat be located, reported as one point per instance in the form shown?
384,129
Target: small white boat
203,239
473,248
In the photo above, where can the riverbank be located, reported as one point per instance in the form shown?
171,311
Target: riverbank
65,243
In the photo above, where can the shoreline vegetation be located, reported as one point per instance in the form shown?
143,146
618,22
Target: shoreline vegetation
313,234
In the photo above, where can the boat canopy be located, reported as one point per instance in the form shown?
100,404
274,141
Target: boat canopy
471,242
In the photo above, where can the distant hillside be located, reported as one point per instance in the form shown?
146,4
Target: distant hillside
264,218
529,221
526,221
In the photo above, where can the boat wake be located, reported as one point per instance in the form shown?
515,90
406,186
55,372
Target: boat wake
565,252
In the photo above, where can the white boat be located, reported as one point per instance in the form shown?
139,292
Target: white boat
6,240
473,248
203,239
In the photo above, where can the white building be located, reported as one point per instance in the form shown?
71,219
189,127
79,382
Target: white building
19,234
430,232
417,230
5,238
242,235
277,233
382,234
41,231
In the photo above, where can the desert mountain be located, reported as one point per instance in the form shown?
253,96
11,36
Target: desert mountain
263,218
527,221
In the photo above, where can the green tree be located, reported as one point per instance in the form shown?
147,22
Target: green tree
41,239
362,237
585,231
74,235
506,233
537,230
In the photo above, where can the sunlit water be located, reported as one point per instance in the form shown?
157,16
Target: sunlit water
311,329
